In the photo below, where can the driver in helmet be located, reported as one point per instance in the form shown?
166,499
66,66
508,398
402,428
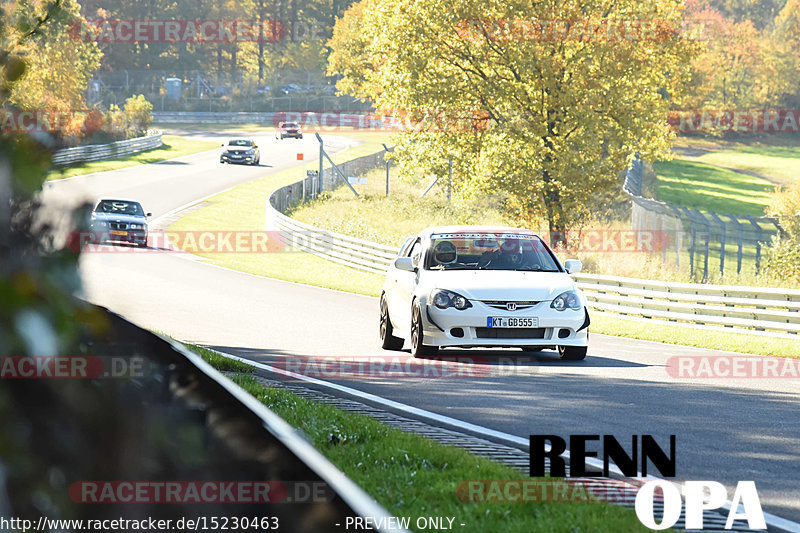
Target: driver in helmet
445,253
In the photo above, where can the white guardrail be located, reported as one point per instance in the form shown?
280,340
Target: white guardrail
101,152
755,310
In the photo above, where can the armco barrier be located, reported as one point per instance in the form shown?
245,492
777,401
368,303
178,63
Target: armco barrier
211,117
101,152
755,310
143,411
760,310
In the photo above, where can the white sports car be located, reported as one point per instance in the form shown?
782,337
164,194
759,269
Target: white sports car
471,286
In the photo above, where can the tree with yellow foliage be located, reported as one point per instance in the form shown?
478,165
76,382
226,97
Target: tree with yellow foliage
544,101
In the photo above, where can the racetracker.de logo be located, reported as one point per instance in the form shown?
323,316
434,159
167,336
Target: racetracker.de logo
177,492
732,366
387,120
49,121
196,241
590,30
550,491
72,367
611,240
391,367
735,120
173,31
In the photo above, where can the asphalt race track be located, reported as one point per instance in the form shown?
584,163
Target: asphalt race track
727,429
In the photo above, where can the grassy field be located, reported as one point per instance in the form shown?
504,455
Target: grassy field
243,208
728,176
390,220
412,476
706,187
174,146
776,157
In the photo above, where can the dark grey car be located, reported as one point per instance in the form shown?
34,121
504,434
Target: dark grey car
240,151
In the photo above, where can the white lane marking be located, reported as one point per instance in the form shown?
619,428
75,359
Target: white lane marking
514,440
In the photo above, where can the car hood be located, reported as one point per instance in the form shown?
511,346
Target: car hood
499,284
117,217
237,149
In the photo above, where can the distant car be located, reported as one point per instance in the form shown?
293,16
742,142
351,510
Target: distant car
240,151
115,219
288,129
291,88
482,286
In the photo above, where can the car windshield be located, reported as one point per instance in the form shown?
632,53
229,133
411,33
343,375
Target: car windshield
240,142
291,125
489,251
119,207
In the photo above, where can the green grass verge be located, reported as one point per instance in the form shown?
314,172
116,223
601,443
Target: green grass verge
412,476
714,340
392,219
707,187
220,362
775,157
174,146
243,208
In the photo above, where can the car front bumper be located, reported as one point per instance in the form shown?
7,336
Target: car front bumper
469,328
131,236
237,158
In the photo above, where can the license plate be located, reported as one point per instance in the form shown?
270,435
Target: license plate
512,322
118,232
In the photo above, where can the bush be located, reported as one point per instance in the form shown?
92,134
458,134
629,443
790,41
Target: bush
782,257
132,120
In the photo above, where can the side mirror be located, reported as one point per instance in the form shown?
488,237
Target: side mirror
149,214
405,263
223,145
572,266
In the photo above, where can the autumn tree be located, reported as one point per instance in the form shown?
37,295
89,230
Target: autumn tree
57,66
544,101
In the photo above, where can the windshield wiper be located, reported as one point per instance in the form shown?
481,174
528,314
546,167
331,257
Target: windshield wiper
533,270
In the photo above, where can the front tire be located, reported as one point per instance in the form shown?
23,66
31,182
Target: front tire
572,353
418,349
388,340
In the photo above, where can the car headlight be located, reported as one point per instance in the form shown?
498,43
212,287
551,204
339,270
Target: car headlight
444,299
566,300
97,223
251,151
137,226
